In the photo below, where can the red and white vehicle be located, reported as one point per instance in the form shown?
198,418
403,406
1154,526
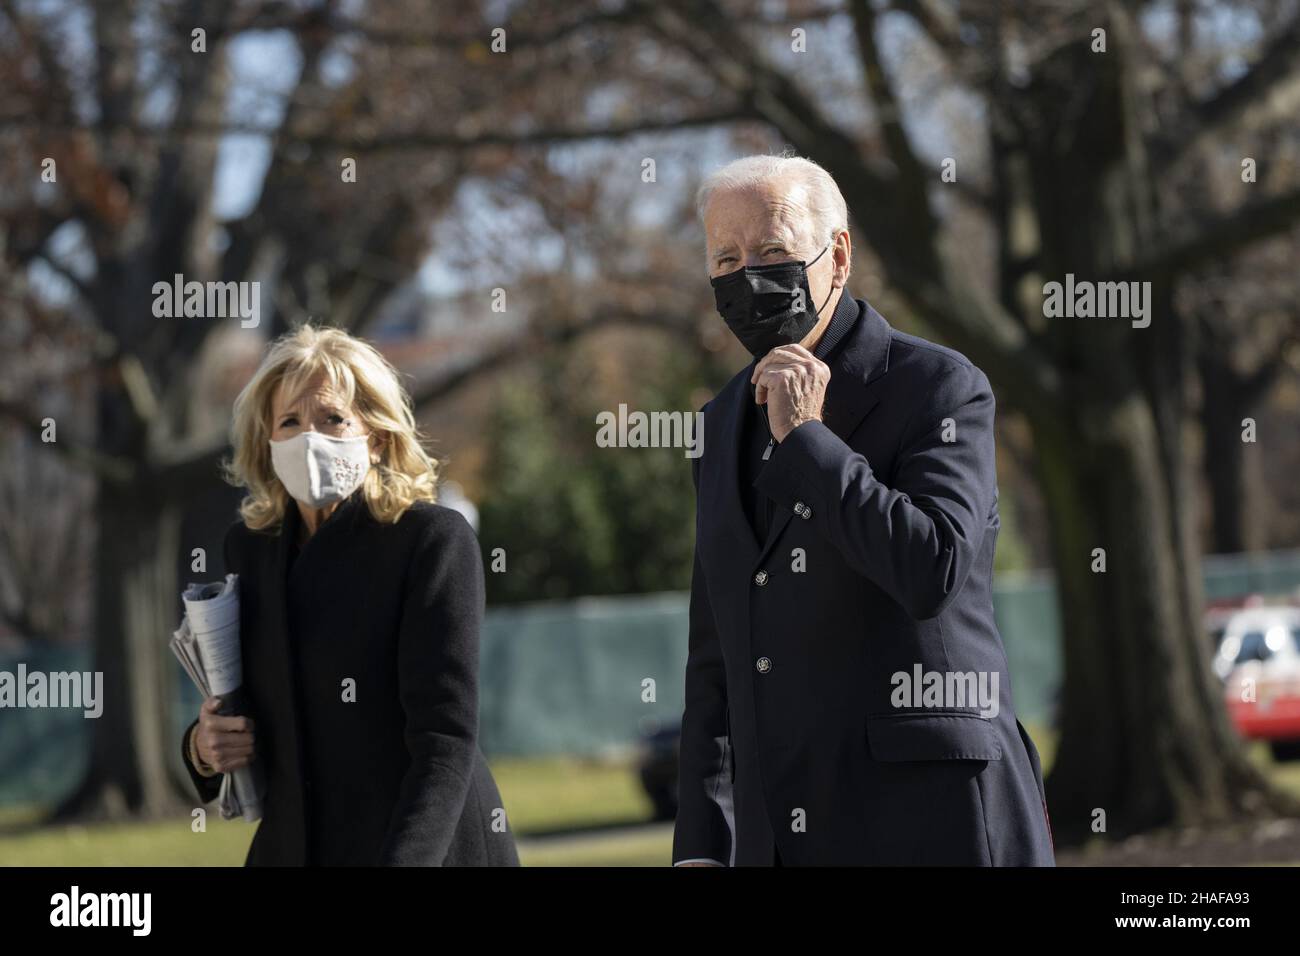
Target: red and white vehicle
1259,661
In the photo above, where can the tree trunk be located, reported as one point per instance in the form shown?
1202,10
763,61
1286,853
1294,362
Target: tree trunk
134,754
1160,751
1229,461
1145,740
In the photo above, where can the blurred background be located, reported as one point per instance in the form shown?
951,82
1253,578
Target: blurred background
499,195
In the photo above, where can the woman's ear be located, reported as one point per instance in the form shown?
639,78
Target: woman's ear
377,442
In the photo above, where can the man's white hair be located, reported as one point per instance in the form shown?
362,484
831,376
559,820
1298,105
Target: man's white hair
826,203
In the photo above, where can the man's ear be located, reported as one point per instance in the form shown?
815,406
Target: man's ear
843,251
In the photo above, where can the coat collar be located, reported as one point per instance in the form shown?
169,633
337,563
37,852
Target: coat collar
351,510
863,358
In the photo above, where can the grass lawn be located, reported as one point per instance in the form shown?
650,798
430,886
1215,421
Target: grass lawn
541,795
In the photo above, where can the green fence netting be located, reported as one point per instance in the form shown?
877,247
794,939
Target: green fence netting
590,676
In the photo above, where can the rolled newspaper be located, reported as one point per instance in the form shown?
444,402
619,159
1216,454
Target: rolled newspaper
207,645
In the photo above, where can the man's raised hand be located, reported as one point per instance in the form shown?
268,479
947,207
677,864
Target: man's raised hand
792,381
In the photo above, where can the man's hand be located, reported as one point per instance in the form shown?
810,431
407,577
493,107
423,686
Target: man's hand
793,384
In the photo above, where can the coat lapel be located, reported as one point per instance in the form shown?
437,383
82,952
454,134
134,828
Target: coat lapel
275,630
862,359
731,407
277,602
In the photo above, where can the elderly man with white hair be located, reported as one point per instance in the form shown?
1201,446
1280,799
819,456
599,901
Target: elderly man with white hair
847,692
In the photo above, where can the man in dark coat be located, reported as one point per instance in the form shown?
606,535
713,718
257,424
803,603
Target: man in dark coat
847,692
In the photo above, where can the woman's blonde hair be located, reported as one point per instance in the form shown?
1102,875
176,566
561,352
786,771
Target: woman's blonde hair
404,475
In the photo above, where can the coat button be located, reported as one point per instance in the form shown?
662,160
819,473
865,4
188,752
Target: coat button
802,510
764,665
760,578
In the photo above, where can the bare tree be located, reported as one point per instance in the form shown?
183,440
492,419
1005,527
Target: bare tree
114,155
1074,165
134,193
1080,138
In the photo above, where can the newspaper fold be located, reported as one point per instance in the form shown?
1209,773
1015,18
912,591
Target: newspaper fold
207,645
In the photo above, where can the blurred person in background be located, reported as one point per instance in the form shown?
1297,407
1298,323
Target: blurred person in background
360,607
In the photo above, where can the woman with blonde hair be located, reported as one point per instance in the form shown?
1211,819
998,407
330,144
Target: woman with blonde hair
360,606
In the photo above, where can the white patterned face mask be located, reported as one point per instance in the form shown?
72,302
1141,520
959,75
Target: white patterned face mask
318,470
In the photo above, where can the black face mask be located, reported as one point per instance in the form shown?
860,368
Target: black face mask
767,306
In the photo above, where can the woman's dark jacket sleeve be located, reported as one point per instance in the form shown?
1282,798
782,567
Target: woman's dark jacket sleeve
438,686
209,788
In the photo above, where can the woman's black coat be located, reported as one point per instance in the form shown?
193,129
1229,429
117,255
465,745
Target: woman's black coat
390,772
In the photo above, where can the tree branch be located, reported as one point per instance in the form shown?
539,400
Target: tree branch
912,178
273,17
938,23
419,139
317,23
181,468
1257,383
65,273
903,237
528,346
1279,62
109,468
1218,237
58,92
